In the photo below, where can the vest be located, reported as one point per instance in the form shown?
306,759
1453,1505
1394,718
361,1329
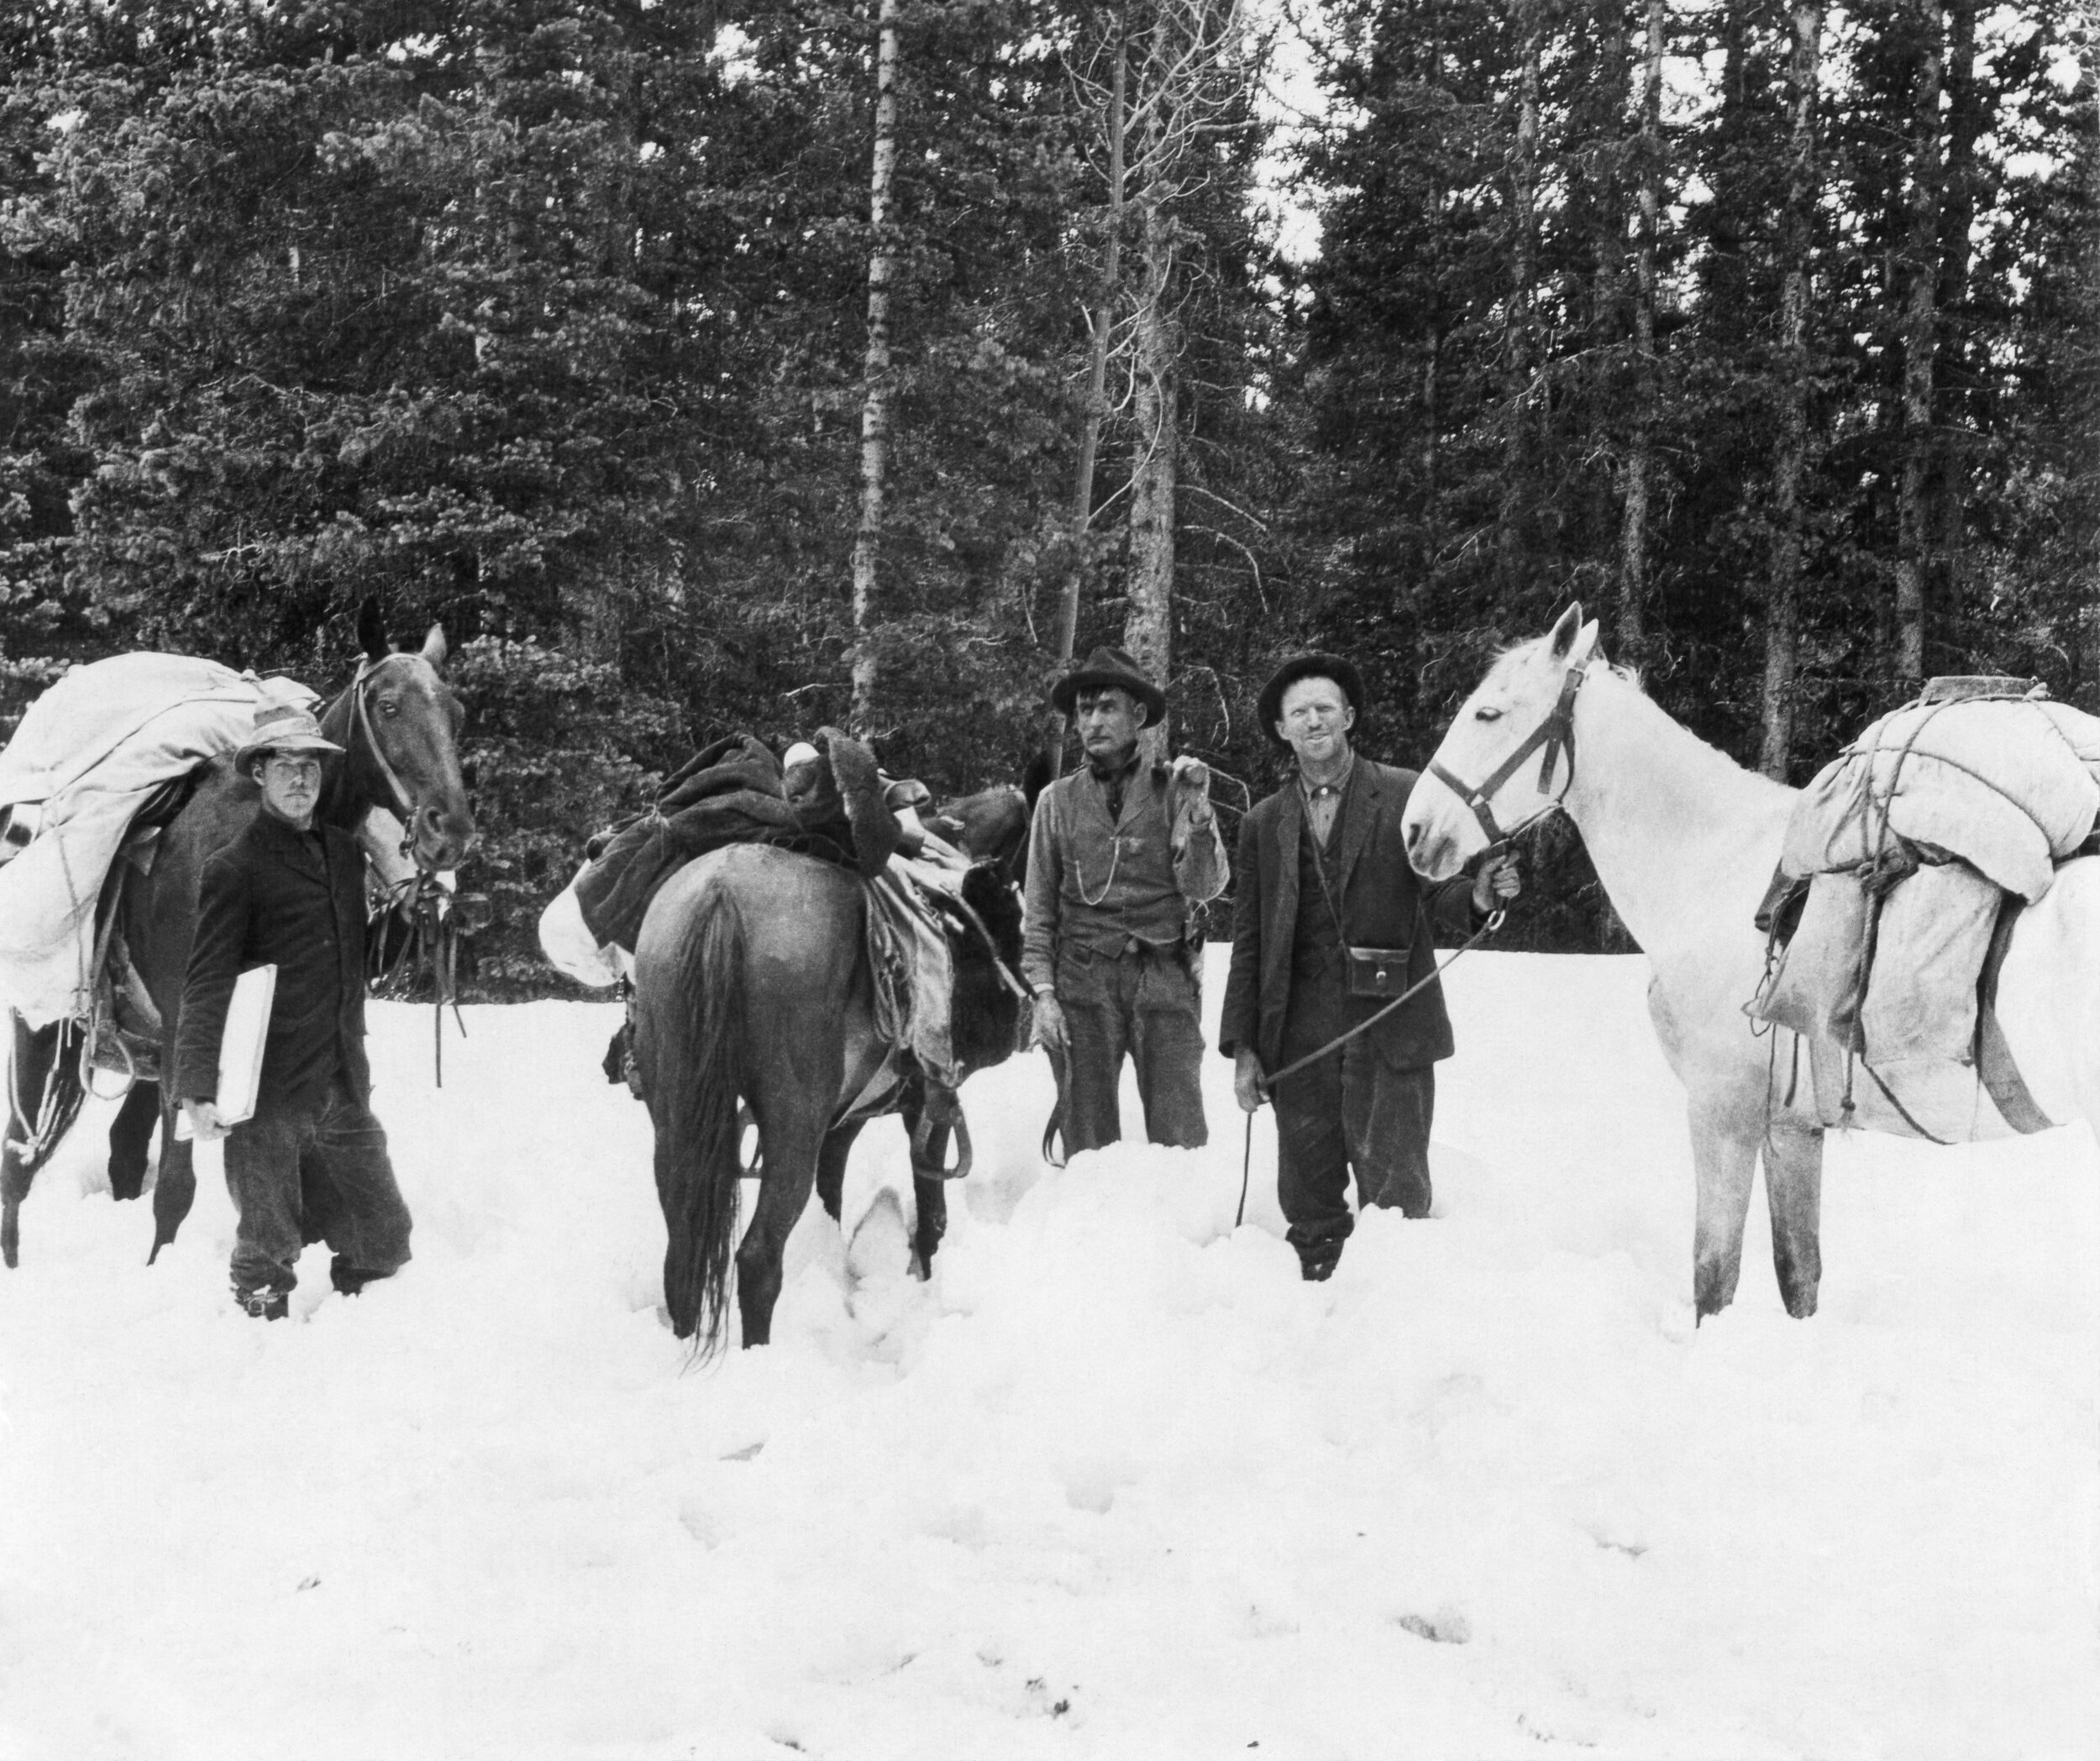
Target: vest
1315,942
1118,879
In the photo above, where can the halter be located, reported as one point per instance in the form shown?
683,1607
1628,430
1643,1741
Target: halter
1556,733
361,718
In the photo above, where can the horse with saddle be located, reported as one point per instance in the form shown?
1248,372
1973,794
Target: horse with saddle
804,945
117,786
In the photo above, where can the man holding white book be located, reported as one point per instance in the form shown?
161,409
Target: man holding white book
310,1165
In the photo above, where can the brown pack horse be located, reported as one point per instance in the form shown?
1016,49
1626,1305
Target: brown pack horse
398,724
753,980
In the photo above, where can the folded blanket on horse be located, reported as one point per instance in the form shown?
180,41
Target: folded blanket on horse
1903,1036
1886,965
730,793
2010,783
94,751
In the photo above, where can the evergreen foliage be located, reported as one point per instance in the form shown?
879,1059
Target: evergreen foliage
546,319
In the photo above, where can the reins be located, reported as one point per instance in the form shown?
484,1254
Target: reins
361,718
1269,1082
432,942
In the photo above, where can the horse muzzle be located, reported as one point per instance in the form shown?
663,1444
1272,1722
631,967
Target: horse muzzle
441,836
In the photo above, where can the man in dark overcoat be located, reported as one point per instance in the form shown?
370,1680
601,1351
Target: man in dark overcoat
1330,923
1118,853
312,1163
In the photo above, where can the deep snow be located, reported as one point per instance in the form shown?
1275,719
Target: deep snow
1115,1484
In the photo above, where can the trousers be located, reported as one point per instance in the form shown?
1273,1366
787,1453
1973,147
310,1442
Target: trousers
1351,1111
316,1173
1142,1002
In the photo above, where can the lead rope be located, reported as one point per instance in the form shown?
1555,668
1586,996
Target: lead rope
1472,941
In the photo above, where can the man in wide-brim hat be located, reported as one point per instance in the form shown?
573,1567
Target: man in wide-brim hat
1119,853
1329,925
312,1163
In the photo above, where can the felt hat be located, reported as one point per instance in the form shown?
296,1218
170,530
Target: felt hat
1269,707
283,727
1107,666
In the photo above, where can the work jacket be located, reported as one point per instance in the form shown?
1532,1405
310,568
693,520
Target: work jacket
1383,904
276,896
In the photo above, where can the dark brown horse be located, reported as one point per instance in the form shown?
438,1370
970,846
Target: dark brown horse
398,722
752,981
992,825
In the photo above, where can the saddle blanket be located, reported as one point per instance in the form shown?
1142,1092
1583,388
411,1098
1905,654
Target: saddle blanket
2009,785
93,750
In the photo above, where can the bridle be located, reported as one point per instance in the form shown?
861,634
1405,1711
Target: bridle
1557,734
361,721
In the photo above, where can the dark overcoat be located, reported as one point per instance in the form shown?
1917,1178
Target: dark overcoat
274,896
1385,904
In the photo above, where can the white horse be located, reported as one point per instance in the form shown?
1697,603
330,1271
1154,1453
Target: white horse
1685,841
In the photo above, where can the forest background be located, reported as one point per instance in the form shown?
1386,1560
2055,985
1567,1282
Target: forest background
717,366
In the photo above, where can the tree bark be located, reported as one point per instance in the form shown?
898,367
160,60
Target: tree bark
1783,600
1920,336
1148,621
1100,322
874,411
1955,419
1513,524
1633,530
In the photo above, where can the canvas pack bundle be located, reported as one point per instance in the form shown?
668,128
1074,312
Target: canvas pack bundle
1817,985
2009,785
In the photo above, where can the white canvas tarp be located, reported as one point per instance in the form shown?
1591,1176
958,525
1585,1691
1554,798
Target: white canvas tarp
92,749
2010,785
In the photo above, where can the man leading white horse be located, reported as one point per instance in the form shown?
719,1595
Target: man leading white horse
1330,924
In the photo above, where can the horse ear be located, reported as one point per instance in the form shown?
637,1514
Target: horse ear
371,629
433,648
1561,643
1585,645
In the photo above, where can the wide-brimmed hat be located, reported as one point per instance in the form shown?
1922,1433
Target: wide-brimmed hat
1269,707
1106,667
283,727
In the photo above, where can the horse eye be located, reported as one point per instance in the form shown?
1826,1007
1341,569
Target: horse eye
388,706
1487,712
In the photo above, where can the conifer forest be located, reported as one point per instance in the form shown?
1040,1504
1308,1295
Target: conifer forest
706,367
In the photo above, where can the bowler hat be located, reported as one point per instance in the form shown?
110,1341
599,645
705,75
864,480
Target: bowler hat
1102,668
1269,707
283,727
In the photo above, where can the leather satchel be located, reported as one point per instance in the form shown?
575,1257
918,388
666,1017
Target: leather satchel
1377,971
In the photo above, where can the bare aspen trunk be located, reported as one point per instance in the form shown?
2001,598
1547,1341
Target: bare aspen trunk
1148,623
1633,527
1782,639
1100,322
1955,419
875,411
1920,332
1516,488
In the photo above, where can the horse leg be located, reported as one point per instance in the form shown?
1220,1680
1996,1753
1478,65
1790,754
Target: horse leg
30,1053
831,1166
932,1193
929,1139
793,1138
175,1188
1725,1164
1793,1190
130,1136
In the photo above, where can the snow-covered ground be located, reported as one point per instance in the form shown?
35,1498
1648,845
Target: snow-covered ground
1115,1484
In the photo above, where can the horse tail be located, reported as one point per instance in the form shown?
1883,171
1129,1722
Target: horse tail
697,1076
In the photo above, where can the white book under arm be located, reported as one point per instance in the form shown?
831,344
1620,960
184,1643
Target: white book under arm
240,1046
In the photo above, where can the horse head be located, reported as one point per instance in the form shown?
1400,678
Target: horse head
1480,786
399,725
